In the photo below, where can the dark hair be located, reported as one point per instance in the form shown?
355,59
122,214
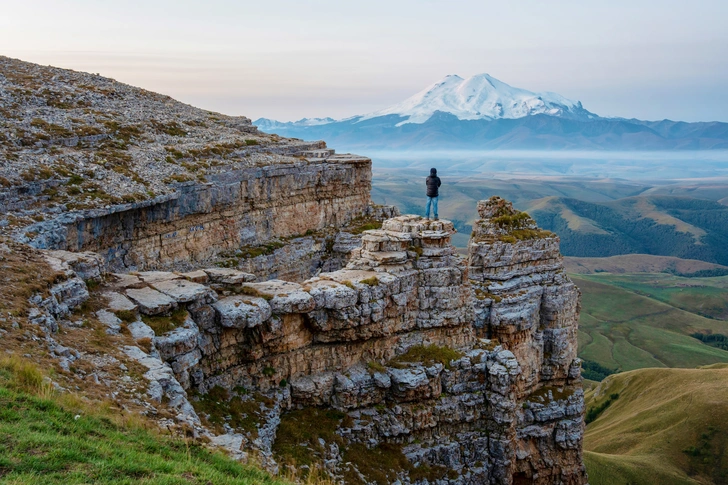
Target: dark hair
433,171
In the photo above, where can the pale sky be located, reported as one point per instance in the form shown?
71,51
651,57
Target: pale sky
649,59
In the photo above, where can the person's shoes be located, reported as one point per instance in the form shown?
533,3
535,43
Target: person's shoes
437,219
427,218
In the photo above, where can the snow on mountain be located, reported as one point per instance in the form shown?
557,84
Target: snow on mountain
480,97
266,124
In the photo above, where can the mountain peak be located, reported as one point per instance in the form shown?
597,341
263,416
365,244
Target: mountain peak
480,97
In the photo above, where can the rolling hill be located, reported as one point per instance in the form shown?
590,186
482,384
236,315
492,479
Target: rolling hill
644,263
634,321
683,227
666,426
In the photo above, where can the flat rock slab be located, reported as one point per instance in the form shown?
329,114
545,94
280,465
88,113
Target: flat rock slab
111,321
332,295
242,311
87,265
118,302
416,224
386,257
151,277
198,276
185,291
151,301
233,443
123,280
228,276
177,342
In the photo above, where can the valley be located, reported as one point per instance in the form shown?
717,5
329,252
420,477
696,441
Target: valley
634,321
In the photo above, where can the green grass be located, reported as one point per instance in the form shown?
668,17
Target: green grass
162,324
620,470
707,297
373,281
626,324
58,439
667,426
297,438
374,366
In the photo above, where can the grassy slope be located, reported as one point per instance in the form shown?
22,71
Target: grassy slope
637,263
703,296
620,328
44,443
642,438
52,438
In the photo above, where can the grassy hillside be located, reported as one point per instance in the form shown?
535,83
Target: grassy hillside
55,438
662,225
643,263
666,426
646,320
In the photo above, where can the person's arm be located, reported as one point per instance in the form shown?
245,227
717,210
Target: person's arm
438,181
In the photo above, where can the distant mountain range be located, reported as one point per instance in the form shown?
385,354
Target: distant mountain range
482,112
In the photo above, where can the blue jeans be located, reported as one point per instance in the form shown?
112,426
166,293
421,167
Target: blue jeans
431,201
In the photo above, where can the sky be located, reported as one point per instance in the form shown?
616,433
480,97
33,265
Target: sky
648,59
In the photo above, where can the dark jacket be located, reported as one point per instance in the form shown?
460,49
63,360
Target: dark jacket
433,183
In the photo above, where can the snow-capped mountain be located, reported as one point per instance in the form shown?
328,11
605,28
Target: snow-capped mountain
482,112
264,124
480,97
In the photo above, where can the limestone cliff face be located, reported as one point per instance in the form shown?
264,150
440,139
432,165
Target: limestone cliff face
380,357
151,183
463,372
524,300
246,207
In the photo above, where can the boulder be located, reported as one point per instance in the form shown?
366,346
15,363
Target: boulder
226,276
150,277
111,321
179,341
286,297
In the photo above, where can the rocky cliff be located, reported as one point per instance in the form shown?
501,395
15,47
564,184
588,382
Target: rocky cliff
91,164
409,364
290,325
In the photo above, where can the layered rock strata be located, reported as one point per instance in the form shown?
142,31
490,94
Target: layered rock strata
524,300
152,183
247,207
464,372
381,357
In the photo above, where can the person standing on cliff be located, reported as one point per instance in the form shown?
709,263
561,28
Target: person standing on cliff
433,184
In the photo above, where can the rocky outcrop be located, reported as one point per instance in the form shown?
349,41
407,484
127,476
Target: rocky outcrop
466,370
246,208
525,301
271,308
148,182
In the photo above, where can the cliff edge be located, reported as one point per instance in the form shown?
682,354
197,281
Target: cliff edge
242,289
